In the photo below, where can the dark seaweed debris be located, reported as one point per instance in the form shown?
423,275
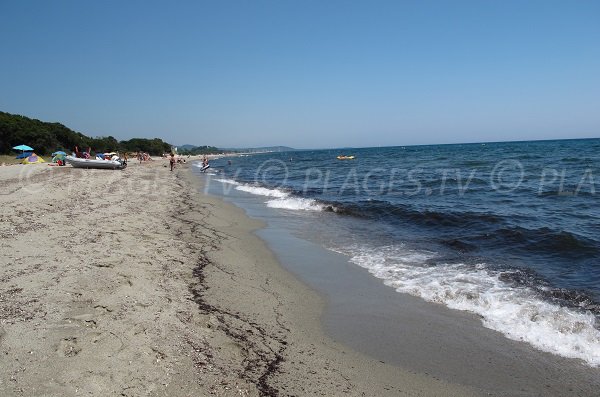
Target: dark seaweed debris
261,361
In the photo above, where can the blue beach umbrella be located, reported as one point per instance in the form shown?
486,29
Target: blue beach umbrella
59,152
23,148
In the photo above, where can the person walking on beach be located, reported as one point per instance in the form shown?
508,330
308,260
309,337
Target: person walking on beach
172,161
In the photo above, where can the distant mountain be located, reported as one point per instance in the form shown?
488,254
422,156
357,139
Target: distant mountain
266,149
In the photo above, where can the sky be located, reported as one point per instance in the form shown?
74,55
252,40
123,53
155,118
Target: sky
305,73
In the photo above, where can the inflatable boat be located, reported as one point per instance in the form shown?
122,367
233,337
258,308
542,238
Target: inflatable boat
115,163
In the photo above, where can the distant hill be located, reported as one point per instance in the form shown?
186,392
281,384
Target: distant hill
186,147
47,137
266,149
195,150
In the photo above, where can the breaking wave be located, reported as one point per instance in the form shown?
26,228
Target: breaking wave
517,311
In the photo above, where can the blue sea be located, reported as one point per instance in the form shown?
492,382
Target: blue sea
509,231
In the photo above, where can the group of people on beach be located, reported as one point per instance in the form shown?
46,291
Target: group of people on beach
173,160
141,156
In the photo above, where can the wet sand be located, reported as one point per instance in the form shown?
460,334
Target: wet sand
405,331
424,337
133,283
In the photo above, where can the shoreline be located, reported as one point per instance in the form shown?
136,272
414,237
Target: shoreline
133,283
136,282
286,313
406,331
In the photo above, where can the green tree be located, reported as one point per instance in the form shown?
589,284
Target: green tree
46,138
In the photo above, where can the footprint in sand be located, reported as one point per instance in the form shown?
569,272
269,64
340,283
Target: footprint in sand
68,347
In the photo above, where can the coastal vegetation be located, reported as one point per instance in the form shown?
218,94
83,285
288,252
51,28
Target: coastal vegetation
195,150
46,137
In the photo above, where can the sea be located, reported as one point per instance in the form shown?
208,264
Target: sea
508,231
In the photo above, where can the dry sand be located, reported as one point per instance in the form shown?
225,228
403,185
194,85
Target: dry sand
132,283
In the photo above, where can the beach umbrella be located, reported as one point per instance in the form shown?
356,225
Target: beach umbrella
22,155
59,152
23,148
58,156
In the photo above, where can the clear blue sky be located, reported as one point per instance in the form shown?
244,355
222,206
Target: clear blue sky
305,73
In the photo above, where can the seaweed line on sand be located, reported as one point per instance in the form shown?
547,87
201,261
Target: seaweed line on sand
262,360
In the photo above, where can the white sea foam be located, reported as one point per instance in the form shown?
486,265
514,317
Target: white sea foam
515,311
295,203
227,181
279,198
262,191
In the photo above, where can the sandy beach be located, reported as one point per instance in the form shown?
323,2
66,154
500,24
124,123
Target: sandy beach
136,282
132,283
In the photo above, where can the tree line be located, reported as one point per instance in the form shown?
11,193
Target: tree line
199,150
46,138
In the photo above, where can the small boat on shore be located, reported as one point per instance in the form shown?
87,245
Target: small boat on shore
114,163
345,157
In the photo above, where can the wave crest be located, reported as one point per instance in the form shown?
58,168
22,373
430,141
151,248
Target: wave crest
516,311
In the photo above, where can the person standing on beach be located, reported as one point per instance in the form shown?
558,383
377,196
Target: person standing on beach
172,161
